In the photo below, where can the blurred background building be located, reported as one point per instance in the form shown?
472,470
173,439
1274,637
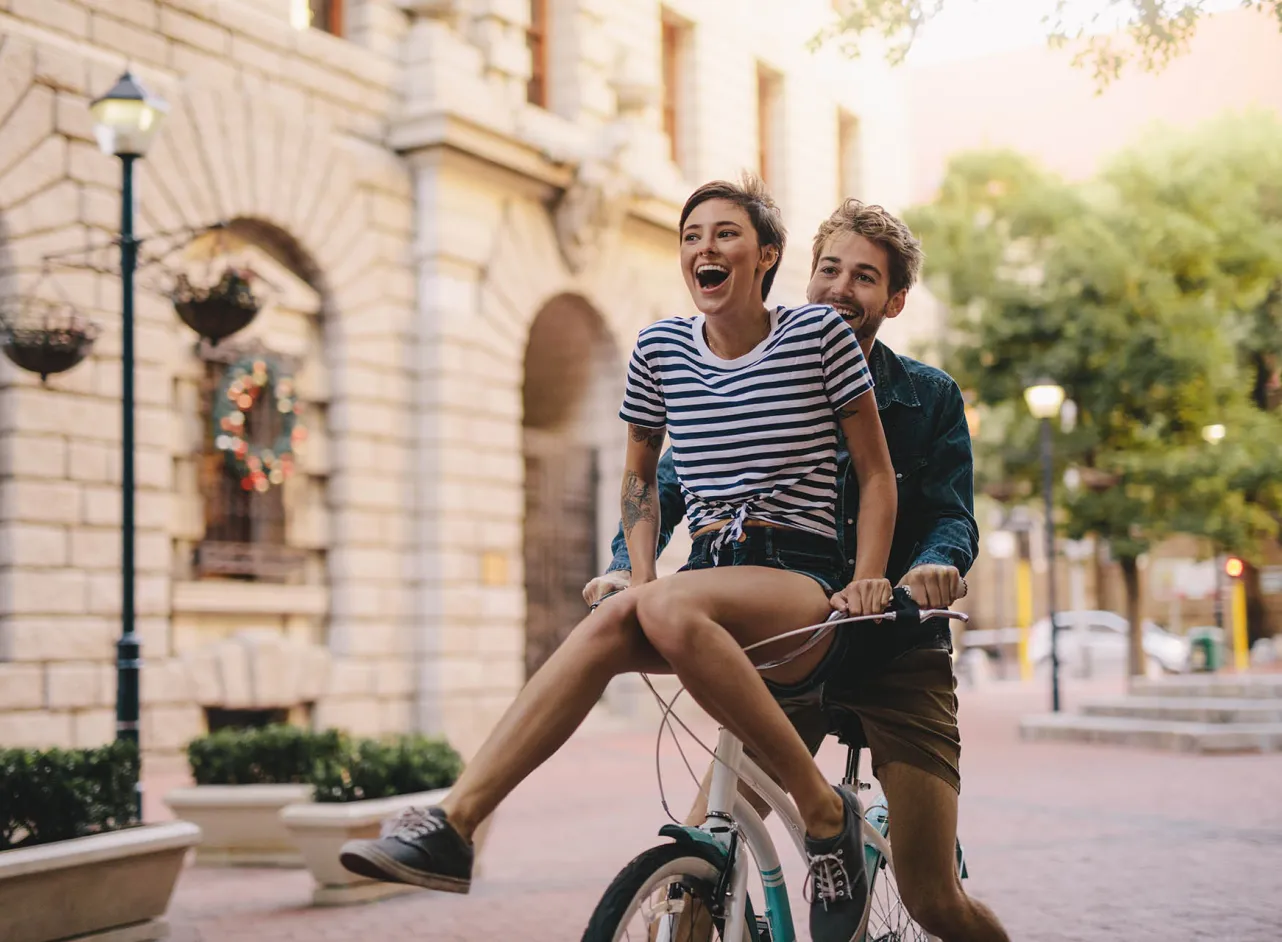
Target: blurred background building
458,214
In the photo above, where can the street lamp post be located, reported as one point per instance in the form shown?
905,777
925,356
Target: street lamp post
1044,400
125,121
1213,435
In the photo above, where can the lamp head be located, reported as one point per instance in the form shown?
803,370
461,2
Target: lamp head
127,118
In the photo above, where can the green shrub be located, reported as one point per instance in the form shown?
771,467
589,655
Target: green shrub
272,755
58,794
380,769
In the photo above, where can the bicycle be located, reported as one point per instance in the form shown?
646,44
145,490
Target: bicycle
704,867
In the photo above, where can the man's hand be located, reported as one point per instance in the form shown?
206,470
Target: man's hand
934,586
863,597
602,586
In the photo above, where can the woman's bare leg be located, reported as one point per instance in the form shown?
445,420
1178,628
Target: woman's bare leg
550,707
700,621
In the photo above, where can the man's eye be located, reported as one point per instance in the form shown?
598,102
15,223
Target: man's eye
829,270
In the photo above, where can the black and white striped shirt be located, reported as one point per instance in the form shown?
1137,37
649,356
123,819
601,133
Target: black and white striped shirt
755,436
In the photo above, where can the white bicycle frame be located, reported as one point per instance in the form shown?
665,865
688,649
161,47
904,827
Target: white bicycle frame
729,811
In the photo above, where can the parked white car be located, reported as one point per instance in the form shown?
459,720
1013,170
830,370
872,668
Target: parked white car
1096,642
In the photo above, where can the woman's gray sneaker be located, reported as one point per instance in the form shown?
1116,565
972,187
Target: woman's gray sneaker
419,847
838,878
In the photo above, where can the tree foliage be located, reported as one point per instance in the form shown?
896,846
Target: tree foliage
1151,294
1153,33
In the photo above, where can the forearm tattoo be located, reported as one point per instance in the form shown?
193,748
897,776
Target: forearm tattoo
651,438
638,504
847,412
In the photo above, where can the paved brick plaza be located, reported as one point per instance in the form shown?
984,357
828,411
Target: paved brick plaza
1065,842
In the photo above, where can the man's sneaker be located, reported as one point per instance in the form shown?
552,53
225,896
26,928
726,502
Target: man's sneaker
838,879
420,847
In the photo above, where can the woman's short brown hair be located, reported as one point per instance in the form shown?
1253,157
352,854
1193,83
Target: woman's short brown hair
751,195
876,225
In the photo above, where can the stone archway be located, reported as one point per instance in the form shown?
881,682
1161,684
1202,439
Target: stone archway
571,372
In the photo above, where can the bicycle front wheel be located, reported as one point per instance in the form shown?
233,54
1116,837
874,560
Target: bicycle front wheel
664,894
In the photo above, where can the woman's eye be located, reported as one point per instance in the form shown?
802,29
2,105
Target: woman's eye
727,234
829,270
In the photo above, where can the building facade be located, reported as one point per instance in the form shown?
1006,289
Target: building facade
457,214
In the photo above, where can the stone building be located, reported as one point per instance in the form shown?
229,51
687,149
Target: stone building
459,213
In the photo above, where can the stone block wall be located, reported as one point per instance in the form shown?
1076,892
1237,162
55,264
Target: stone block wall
281,127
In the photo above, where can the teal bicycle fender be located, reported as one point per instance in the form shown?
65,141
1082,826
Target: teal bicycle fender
692,836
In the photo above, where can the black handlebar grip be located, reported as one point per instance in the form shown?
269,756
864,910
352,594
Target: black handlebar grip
907,612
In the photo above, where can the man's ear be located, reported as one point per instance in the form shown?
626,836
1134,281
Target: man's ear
896,304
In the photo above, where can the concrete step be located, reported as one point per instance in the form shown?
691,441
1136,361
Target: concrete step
1154,734
1231,686
1188,709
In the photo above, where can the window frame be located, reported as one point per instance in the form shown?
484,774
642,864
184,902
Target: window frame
769,95
672,40
537,91
849,158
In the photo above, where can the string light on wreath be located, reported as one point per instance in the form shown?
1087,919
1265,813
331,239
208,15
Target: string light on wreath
246,383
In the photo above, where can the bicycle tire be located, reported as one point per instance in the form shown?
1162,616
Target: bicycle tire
698,865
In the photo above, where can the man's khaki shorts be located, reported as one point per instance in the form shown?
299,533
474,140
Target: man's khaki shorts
906,706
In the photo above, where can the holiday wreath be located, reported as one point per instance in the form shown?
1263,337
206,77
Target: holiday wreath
246,383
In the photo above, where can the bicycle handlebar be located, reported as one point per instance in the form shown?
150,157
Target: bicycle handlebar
902,608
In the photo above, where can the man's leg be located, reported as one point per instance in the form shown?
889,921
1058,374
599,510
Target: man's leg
908,710
923,833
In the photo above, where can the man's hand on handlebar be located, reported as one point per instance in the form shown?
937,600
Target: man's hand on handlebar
863,597
933,586
606,584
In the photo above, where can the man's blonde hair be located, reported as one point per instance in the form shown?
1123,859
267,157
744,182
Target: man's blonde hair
876,225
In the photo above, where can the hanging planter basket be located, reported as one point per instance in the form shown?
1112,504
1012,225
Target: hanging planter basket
219,310
45,337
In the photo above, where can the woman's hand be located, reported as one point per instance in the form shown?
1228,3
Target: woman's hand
863,597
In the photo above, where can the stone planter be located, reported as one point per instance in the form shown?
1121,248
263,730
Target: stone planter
241,824
320,829
112,887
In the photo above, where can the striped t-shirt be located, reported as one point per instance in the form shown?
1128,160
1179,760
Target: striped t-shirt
759,430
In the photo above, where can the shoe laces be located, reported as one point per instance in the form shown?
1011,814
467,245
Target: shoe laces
828,880
412,824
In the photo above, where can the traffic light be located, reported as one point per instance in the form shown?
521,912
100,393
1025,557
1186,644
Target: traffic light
1234,567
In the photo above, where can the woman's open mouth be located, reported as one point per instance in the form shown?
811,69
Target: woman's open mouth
710,276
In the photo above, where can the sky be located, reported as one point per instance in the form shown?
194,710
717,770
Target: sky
969,28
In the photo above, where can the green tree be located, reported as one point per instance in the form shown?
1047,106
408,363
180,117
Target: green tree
1156,30
1131,300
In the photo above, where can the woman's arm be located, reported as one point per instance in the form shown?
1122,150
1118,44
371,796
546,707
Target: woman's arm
869,590
639,500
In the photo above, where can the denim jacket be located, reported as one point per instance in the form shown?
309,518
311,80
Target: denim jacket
925,424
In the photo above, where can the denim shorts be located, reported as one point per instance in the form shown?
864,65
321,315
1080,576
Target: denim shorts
792,551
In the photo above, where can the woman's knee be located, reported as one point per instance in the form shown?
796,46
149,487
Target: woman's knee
669,619
611,634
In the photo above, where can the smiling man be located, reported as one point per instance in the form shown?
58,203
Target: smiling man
899,685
